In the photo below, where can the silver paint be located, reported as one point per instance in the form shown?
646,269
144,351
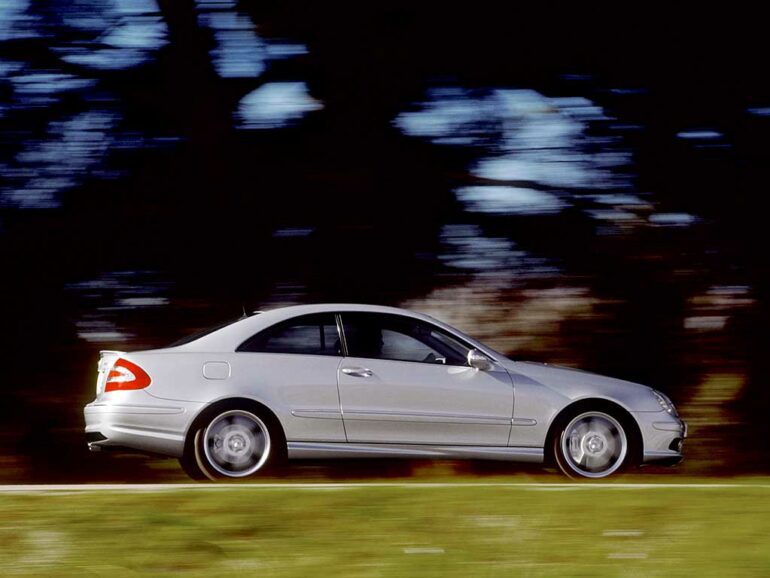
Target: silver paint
363,407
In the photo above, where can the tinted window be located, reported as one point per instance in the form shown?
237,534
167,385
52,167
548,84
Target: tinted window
305,335
383,336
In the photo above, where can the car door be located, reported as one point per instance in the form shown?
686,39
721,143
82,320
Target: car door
407,381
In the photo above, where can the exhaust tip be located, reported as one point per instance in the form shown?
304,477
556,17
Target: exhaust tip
93,437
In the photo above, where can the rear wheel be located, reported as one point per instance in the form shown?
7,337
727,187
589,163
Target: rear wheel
189,462
232,443
591,444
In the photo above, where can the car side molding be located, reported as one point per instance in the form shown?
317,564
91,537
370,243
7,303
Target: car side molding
313,450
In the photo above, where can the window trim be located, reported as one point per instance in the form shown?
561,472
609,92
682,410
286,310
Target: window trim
341,333
345,352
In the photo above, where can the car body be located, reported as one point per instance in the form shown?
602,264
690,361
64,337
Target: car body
345,380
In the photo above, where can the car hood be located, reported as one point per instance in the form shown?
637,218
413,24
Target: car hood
577,384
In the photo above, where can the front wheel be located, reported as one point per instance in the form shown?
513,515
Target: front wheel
593,444
233,444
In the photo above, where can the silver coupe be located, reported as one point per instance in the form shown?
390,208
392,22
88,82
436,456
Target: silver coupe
343,381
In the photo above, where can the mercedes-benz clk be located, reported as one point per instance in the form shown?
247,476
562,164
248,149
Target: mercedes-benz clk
344,381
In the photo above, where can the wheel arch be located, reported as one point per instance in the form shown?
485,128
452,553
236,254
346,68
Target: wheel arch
245,403
635,441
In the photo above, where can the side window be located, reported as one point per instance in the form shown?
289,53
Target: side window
397,345
385,336
305,335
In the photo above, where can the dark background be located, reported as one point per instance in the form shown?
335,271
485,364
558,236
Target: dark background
573,183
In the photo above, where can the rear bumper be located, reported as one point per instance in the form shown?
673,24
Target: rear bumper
144,424
663,437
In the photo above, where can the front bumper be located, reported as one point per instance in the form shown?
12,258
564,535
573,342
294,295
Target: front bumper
663,437
138,422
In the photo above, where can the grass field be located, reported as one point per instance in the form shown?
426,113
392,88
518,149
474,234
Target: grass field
416,530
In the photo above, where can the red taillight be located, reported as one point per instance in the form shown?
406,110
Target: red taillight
126,375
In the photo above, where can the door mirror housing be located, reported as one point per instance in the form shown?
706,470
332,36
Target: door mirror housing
478,360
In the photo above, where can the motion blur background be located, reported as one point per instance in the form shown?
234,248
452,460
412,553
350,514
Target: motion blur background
567,182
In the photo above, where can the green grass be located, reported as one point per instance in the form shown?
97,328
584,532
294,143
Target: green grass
377,531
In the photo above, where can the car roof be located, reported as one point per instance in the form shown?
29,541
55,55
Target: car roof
231,336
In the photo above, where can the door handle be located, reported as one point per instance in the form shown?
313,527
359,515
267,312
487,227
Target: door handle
357,371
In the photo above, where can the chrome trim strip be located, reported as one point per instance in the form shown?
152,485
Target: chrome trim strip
523,421
312,450
99,408
317,413
364,415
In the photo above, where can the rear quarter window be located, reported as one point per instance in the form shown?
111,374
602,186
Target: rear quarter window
305,335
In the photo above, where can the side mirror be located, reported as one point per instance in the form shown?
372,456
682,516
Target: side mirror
478,360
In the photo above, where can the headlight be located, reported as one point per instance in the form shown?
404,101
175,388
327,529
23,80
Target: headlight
665,402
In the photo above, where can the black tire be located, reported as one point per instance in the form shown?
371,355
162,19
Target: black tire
250,455
593,442
189,463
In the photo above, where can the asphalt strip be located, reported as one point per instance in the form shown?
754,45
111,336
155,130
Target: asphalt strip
324,486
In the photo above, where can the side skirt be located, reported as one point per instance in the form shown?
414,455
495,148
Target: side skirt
314,450
664,458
